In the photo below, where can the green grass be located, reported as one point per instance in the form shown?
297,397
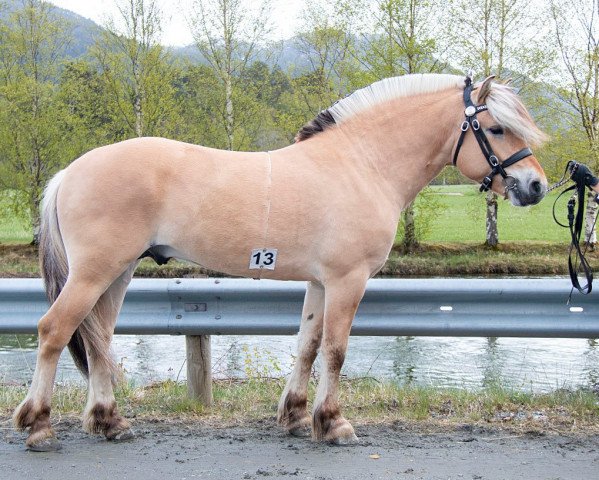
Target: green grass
462,216
12,229
364,400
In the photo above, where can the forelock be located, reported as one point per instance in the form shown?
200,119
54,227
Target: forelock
508,110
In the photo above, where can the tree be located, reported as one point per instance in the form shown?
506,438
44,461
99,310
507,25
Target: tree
502,39
31,143
326,43
89,117
136,70
405,41
577,37
227,35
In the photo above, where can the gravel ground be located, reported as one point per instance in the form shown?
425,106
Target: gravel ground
165,449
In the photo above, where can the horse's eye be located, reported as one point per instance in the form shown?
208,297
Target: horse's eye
496,130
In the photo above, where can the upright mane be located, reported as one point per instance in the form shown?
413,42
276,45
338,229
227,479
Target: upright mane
374,94
504,105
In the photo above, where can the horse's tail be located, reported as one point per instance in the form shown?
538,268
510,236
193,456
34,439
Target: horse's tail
54,267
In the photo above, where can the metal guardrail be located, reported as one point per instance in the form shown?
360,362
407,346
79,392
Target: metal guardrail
427,307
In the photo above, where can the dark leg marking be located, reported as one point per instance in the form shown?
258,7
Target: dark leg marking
294,409
106,420
41,435
323,419
336,359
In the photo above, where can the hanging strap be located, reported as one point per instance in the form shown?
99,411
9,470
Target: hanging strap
577,262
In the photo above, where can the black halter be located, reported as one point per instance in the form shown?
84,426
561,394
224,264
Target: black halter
471,122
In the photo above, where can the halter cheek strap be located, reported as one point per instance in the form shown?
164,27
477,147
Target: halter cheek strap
472,123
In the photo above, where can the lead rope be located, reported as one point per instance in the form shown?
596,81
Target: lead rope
577,262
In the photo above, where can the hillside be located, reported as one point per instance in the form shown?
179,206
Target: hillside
84,32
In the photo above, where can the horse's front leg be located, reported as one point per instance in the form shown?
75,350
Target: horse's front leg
293,409
341,302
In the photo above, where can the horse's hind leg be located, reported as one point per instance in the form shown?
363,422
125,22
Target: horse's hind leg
55,330
101,414
342,298
293,412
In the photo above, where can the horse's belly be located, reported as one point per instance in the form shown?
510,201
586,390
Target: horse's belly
234,238
259,262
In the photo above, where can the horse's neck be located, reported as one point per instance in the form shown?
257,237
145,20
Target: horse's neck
407,141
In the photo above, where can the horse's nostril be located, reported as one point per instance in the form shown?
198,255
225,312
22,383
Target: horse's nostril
536,187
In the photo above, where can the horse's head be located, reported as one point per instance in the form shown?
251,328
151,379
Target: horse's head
493,147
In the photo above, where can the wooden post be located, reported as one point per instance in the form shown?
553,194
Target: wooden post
199,368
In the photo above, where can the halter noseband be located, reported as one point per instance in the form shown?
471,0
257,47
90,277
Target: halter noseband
471,122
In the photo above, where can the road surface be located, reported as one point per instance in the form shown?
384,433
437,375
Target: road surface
167,449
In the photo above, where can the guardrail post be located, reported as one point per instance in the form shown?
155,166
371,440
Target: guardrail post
199,368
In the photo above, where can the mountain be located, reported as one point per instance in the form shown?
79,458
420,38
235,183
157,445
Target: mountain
83,29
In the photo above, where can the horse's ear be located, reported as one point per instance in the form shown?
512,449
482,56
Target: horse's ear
485,88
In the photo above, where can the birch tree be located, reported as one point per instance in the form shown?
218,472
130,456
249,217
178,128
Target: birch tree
136,69
228,34
503,38
576,28
326,42
406,40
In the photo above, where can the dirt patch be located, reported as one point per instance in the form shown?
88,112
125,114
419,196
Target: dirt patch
173,449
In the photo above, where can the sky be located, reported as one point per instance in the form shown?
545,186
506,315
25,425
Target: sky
284,16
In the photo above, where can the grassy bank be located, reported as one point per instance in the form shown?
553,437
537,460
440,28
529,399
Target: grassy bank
364,401
447,259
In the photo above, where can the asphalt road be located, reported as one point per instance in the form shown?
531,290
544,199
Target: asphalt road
176,450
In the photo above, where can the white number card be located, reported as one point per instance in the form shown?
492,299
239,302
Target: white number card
263,258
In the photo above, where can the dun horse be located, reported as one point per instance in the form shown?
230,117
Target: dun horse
324,210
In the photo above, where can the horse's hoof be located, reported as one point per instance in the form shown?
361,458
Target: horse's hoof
49,444
302,431
122,436
341,441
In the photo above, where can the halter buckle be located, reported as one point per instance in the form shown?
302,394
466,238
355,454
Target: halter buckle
485,185
464,125
475,124
510,183
493,160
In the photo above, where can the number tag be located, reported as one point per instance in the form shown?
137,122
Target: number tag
263,258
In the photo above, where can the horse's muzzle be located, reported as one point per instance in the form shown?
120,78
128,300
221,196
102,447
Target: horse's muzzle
527,193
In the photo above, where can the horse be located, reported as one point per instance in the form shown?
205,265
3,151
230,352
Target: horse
323,210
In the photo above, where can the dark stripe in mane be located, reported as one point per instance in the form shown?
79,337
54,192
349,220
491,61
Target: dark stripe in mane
322,121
